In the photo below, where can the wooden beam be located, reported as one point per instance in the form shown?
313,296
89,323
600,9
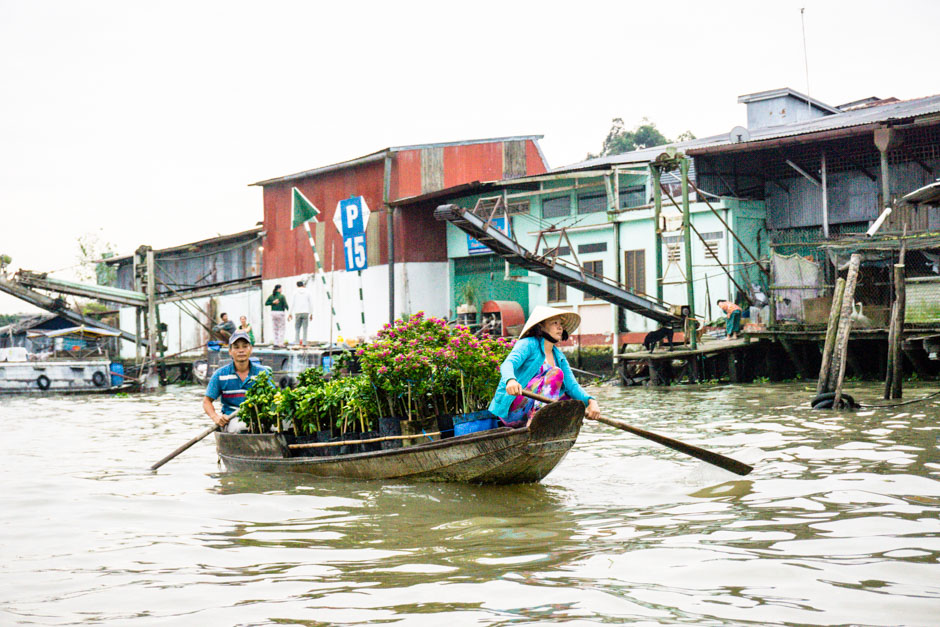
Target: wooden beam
812,179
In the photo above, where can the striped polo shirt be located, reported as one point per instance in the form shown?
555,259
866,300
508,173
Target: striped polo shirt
230,387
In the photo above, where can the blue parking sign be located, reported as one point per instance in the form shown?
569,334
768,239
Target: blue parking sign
351,218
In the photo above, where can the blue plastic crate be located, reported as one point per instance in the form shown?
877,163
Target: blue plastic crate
476,421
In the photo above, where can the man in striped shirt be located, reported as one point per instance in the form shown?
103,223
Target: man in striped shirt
230,382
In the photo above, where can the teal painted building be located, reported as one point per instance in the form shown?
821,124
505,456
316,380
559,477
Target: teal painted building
601,218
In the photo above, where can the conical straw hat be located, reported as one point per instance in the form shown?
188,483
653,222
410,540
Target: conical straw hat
569,319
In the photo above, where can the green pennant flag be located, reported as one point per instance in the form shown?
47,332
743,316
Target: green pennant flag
302,209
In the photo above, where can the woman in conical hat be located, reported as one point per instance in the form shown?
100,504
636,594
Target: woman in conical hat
540,366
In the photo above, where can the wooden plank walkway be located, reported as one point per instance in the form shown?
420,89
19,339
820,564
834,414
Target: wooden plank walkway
705,347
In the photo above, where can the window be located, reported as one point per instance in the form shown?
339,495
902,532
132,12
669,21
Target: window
557,292
711,250
634,264
592,202
562,251
632,196
712,244
556,207
595,269
673,253
592,248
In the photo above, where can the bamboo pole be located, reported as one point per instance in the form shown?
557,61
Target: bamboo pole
823,384
415,436
837,372
900,304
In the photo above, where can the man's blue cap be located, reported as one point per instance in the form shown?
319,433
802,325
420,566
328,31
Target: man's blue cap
239,335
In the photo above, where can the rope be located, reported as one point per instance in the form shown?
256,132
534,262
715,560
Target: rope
914,400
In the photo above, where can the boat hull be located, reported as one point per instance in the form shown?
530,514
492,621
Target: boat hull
499,456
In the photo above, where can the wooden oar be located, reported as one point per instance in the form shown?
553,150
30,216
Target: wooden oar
739,468
202,435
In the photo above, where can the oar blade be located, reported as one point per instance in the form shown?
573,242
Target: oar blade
722,461
716,459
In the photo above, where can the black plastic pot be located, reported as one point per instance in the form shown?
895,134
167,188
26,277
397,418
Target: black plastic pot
390,425
445,424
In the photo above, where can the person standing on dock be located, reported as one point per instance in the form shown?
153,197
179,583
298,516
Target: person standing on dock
536,361
301,308
278,304
733,322
230,382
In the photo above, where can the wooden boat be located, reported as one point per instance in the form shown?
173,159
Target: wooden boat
500,456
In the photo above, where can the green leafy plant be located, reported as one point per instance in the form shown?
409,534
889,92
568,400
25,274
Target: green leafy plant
258,409
421,367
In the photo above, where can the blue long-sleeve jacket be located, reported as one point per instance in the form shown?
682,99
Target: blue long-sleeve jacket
523,364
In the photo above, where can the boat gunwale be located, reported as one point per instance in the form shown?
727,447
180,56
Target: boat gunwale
525,434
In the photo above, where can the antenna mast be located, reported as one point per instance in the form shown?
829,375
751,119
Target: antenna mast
805,57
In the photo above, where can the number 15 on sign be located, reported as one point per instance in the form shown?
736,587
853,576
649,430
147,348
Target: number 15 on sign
355,248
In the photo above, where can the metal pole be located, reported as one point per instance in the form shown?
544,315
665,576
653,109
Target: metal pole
657,229
687,239
151,308
825,196
329,297
390,223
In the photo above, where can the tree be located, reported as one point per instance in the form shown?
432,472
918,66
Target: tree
644,135
91,250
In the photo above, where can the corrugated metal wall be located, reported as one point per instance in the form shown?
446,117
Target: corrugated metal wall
853,197
211,263
414,172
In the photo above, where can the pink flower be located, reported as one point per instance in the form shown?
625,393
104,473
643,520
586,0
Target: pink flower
383,370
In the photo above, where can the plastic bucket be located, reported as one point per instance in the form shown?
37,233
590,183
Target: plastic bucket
117,374
471,423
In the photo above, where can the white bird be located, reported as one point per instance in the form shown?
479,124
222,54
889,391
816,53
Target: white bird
859,319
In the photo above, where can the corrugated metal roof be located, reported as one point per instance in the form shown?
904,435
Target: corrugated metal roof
859,117
643,155
380,154
785,91
926,195
256,232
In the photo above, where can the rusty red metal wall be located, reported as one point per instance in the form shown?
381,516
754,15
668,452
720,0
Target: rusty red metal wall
418,236
533,159
287,252
474,162
408,177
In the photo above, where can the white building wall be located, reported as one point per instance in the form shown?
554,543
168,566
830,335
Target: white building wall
418,287
185,335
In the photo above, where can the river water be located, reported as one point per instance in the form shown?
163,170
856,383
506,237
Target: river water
838,524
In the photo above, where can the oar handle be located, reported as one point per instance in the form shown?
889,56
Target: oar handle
722,461
202,435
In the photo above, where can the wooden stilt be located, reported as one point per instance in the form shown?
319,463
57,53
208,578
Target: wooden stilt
734,374
837,372
796,358
900,302
822,384
852,360
919,360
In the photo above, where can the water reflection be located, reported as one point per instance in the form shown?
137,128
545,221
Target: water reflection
407,532
838,524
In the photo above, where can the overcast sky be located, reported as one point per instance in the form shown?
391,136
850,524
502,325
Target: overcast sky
144,122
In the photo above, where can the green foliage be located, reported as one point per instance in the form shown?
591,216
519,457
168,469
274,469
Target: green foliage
417,368
258,409
6,319
92,249
422,367
644,135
